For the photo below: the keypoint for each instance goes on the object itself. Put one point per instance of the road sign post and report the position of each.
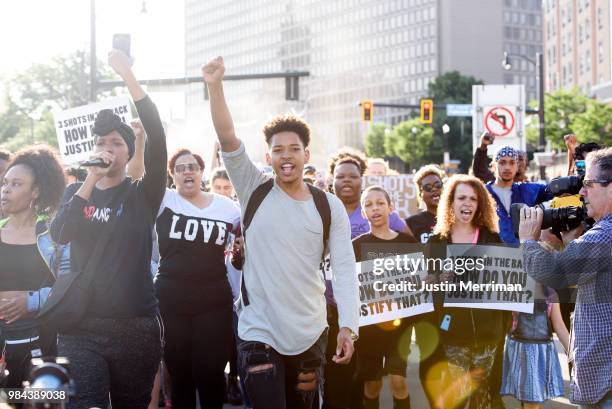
(499, 110)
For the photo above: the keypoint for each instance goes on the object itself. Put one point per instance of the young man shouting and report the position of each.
(282, 323)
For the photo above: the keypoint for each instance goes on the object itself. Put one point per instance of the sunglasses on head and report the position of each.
(187, 167)
(431, 186)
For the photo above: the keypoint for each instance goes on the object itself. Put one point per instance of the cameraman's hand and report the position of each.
(547, 236)
(530, 223)
(569, 236)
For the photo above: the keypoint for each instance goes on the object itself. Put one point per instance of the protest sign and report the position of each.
(74, 127)
(501, 283)
(391, 292)
(402, 190)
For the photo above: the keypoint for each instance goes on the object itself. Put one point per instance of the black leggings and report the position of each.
(196, 352)
(116, 356)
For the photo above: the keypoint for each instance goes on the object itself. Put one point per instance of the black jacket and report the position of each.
(470, 326)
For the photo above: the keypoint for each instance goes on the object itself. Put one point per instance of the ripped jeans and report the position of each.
(275, 381)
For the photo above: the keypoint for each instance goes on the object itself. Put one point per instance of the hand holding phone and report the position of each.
(122, 42)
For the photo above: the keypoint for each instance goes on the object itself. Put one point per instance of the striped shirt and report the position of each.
(587, 263)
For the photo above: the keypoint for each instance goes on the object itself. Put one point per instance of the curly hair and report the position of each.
(584, 149)
(287, 123)
(425, 171)
(5, 155)
(182, 152)
(486, 214)
(348, 155)
(48, 175)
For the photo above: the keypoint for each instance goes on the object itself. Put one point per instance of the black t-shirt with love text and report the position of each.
(192, 276)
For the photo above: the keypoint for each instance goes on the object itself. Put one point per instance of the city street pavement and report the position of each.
(418, 400)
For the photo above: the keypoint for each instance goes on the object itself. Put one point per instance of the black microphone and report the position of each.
(95, 162)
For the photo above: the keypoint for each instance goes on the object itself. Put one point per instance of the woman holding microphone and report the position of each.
(115, 349)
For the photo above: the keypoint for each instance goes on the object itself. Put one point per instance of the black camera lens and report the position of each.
(567, 185)
(560, 219)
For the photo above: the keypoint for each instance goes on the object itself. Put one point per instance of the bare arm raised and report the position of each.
(222, 119)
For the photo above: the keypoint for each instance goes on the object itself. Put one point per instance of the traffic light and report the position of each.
(367, 110)
(426, 111)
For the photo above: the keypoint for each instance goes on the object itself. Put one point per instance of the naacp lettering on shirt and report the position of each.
(100, 214)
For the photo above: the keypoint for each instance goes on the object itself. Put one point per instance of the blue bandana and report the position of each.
(507, 151)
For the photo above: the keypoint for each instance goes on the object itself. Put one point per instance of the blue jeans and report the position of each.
(605, 403)
(275, 381)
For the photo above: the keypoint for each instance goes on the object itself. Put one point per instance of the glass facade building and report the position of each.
(386, 51)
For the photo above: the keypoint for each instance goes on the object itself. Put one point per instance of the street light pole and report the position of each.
(92, 52)
(539, 64)
(542, 142)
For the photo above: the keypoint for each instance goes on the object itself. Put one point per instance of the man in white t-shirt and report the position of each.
(283, 326)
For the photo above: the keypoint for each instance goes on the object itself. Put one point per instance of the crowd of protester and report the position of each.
(162, 287)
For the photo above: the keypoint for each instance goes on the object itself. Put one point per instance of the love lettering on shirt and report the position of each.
(188, 229)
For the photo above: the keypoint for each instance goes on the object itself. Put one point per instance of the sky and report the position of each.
(36, 30)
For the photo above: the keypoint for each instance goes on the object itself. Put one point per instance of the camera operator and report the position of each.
(586, 262)
(576, 154)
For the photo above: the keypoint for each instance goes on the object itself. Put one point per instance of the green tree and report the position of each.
(561, 109)
(594, 124)
(453, 88)
(413, 142)
(32, 95)
(375, 141)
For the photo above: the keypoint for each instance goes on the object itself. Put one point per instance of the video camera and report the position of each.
(560, 219)
(565, 185)
(51, 375)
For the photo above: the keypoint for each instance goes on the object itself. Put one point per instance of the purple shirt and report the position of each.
(360, 225)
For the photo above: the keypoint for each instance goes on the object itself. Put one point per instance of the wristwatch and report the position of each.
(354, 336)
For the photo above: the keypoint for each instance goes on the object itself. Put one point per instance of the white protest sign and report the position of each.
(387, 292)
(401, 188)
(502, 284)
(73, 127)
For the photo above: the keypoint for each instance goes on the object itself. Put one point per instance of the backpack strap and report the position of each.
(258, 196)
(322, 204)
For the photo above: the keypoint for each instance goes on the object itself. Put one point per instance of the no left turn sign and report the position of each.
(500, 121)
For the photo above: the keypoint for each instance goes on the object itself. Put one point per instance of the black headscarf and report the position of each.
(107, 121)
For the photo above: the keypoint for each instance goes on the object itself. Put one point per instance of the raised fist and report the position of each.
(486, 139)
(570, 141)
(213, 71)
(139, 131)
